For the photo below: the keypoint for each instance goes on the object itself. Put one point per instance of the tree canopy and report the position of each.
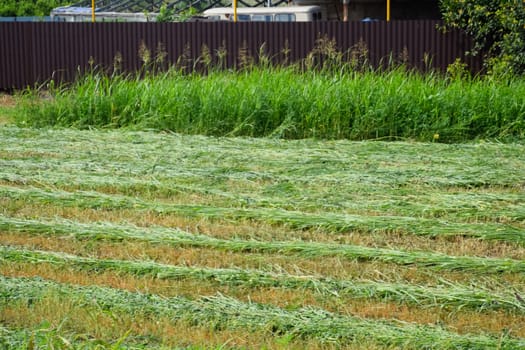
(13, 8)
(497, 28)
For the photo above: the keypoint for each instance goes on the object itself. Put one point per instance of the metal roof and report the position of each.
(134, 6)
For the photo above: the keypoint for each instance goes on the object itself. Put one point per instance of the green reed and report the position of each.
(290, 103)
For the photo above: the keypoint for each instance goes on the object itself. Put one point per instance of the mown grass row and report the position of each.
(251, 198)
(445, 295)
(151, 155)
(294, 219)
(459, 183)
(289, 103)
(470, 207)
(176, 237)
(220, 312)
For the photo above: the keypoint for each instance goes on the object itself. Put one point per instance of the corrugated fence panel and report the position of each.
(16, 69)
(36, 52)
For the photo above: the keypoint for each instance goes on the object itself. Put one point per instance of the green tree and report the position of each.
(8, 8)
(497, 28)
(29, 7)
(177, 14)
(165, 14)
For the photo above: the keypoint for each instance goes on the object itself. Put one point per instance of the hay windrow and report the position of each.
(256, 216)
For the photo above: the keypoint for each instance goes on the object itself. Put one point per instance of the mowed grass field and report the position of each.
(121, 239)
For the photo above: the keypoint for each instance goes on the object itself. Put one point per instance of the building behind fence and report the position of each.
(34, 53)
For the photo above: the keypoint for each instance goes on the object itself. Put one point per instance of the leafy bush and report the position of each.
(12, 8)
(497, 28)
(165, 14)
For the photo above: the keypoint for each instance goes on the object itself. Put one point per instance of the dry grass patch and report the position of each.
(7, 106)
(9, 155)
(7, 100)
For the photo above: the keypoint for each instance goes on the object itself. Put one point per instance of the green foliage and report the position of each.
(458, 70)
(498, 30)
(165, 14)
(180, 13)
(185, 14)
(8, 8)
(12, 8)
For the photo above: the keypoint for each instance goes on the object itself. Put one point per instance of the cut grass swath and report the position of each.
(445, 295)
(220, 312)
(300, 194)
(336, 163)
(176, 237)
(294, 219)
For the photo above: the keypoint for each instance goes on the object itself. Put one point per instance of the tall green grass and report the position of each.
(290, 103)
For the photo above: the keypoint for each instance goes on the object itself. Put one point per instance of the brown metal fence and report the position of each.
(32, 53)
